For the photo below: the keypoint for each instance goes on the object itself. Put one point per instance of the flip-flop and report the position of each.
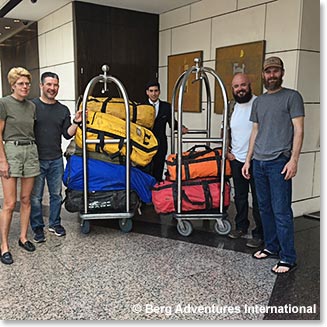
(268, 254)
(284, 264)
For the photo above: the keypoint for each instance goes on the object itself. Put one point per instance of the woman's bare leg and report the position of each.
(25, 206)
(9, 186)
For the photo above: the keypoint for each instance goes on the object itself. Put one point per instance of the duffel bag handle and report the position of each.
(193, 148)
(208, 200)
(193, 153)
(186, 198)
(104, 104)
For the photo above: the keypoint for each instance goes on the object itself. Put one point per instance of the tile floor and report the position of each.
(153, 273)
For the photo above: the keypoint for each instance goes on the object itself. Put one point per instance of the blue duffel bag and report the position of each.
(106, 176)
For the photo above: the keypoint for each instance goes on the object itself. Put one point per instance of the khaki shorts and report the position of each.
(23, 160)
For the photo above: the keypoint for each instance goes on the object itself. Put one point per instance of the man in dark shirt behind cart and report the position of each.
(163, 117)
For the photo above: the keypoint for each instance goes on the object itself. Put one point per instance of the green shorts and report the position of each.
(23, 160)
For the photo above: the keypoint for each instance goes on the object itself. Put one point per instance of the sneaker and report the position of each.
(254, 242)
(57, 230)
(236, 234)
(39, 235)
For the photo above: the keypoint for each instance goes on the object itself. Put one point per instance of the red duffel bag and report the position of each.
(197, 195)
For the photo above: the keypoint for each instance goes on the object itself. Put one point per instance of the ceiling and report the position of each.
(29, 11)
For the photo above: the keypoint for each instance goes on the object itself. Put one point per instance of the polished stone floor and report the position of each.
(153, 273)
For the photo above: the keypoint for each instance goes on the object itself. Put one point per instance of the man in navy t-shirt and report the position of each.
(52, 122)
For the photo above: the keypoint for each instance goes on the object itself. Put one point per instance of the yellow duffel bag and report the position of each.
(141, 114)
(102, 126)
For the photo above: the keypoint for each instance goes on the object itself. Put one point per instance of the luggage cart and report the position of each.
(125, 218)
(184, 226)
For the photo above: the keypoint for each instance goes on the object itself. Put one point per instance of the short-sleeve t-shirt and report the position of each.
(52, 122)
(274, 113)
(241, 128)
(19, 117)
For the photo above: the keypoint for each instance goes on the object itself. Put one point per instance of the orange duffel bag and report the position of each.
(198, 164)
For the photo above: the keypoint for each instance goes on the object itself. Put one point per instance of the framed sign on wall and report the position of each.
(241, 58)
(177, 64)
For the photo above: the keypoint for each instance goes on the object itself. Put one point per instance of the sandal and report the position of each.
(290, 267)
(266, 253)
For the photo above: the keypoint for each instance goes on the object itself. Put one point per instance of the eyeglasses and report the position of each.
(23, 84)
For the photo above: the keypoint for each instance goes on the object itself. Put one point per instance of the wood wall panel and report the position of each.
(126, 40)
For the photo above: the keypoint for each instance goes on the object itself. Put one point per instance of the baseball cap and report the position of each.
(273, 62)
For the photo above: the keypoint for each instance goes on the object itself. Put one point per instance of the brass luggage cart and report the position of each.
(184, 226)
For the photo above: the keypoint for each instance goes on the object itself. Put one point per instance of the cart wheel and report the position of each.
(223, 227)
(186, 230)
(85, 227)
(125, 225)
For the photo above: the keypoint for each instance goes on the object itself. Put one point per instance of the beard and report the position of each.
(273, 84)
(244, 98)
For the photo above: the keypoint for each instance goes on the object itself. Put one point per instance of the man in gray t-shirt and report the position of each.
(275, 146)
(275, 111)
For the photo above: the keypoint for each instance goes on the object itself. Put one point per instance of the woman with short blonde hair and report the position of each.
(17, 72)
(18, 158)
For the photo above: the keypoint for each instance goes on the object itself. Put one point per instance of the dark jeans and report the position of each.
(241, 187)
(275, 200)
(52, 171)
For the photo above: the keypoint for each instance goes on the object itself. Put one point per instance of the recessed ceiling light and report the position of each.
(16, 20)
(7, 27)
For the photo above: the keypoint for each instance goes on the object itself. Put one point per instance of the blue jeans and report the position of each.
(52, 171)
(274, 195)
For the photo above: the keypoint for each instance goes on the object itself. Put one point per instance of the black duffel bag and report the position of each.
(100, 202)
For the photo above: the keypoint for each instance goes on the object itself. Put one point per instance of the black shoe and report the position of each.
(28, 246)
(254, 242)
(6, 258)
(236, 234)
(39, 235)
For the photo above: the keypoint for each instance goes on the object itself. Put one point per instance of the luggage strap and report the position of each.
(131, 103)
(104, 104)
(206, 192)
(186, 162)
(121, 138)
(192, 153)
(99, 147)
